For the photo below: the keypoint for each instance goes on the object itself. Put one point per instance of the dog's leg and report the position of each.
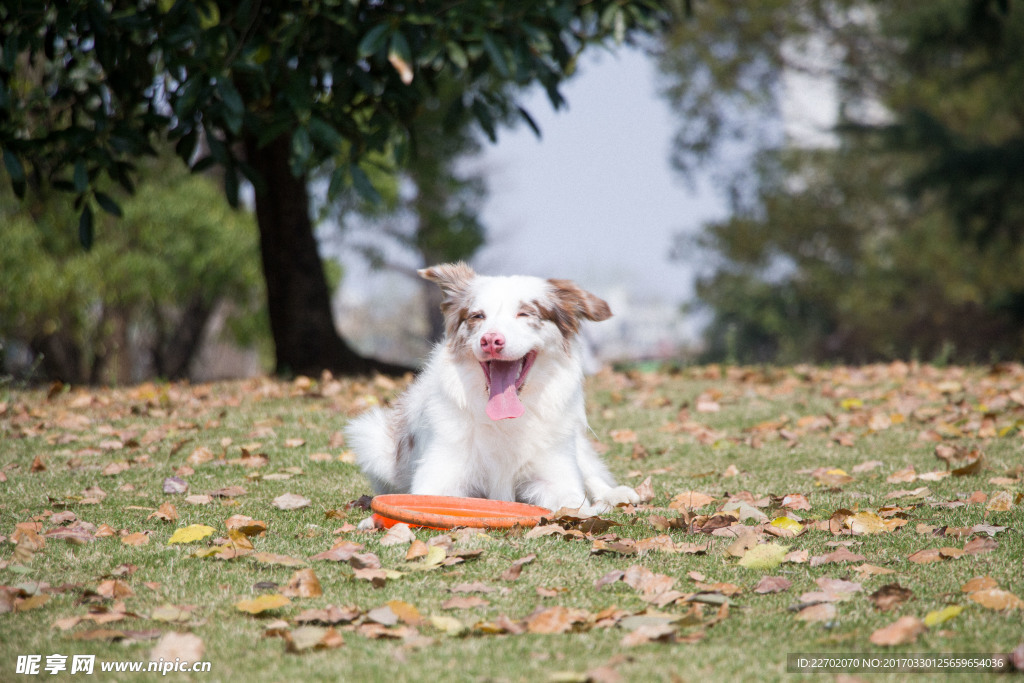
(599, 483)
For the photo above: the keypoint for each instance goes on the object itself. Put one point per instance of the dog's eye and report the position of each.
(476, 316)
(524, 314)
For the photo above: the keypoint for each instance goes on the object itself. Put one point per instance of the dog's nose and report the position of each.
(492, 343)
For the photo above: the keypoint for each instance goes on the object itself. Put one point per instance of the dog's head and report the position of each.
(506, 323)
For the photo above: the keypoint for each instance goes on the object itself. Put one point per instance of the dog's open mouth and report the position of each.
(505, 378)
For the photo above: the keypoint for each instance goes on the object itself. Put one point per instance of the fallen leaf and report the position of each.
(312, 638)
(796, 501)
(996, 599)
(979, 583)
(173, 646)
(823, 611)
(903, 630)
(274, 558)
(763, 557)
(555, 620)
(513, 572)
(1000, 502)
(398, 534)
(114, 589)
(175, 485)
(890, 596)
(191, 534)
(772, 584)
(943, 615)
(263, 603)
(649, 633)
(329, 615)
(166, 512)
(303, 584)
(136, 539)
(246, 525)
(450, 625)
(291, 501)
(464, 602)
(690, 500)
(839, 555)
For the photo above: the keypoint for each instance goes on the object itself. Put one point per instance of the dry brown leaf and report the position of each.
(890, 596)
(824, 611)
(246, 525)
(556, 620)
(837, 556)
(291, 501)
(772, 584)
(513, 572)
(996, 599)
(464, 602)
(979, 583)
(138, 538)
(397, 535)
(690, 500)
(903, 630)
(174, 646)
(312, 638)
(303, 584)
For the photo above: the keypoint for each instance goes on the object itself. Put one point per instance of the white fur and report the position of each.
(438, 439)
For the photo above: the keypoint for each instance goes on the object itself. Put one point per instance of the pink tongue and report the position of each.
(504, 402)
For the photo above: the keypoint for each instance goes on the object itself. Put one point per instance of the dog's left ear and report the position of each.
(452, 278)
(573, 304)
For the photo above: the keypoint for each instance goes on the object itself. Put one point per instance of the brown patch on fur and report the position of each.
(570, 305)
(454, 279)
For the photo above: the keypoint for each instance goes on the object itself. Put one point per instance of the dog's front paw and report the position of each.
(619, 495)
(368, 524)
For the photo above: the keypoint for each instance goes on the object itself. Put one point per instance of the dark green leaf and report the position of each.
(108, 204)
(363, 185)
(494, 51)
(81, 177)
(85, 231)
(374, 40)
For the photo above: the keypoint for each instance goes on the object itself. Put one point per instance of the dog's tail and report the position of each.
(371, 437)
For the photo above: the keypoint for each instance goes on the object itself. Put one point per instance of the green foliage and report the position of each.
(856, 252)
(84, 86)
(156, 275)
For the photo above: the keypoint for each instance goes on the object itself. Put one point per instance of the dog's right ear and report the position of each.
(452, 278)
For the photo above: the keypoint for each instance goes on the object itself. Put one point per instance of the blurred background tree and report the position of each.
(138, 304)
(901, 236)
(269, 93)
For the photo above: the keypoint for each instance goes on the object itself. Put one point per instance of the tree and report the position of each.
(138, 304)
(856, 251)
(272, 90)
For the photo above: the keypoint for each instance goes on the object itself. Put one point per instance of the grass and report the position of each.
(718, 432)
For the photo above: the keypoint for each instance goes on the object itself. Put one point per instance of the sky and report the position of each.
(594, 199)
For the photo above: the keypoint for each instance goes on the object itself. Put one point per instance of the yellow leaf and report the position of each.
(263, 603)
(767, 556)
(788, 523)
(435, 556)
(866, 523)
(942, 615)
(450, 625)
(191, 534)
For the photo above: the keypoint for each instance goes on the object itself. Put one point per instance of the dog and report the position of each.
(497, 411)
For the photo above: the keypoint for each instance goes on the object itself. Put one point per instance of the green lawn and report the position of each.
(608, 604)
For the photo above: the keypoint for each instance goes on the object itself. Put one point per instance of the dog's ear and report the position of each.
(452, 278)
(572, 304)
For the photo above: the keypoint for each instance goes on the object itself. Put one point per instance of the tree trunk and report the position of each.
(173, 351)
(298, 301)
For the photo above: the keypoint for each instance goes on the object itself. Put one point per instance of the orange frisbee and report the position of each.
(445, 512)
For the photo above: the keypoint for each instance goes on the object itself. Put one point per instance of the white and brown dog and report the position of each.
(497, 412)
